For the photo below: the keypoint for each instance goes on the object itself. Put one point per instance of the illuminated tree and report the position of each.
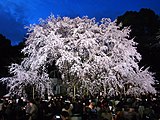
(90, 56)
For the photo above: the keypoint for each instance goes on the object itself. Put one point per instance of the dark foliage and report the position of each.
(8, 54)
(144, 25)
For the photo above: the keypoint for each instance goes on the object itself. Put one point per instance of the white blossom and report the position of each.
(89, 55)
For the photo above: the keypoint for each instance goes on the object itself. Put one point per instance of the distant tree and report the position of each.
(5, 49)
(144, 22)
(4, 41)
(91, 56)
(144, 25)
(8, 54)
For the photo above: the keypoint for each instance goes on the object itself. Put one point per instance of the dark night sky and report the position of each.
(16, 14)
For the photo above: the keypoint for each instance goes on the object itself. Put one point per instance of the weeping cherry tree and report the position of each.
(97, 57)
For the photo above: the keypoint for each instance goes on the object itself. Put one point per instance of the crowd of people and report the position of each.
(81, 108)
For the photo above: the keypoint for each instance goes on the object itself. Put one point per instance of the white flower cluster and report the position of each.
(91, 56)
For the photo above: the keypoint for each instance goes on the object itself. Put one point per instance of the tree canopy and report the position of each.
(89, 55)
